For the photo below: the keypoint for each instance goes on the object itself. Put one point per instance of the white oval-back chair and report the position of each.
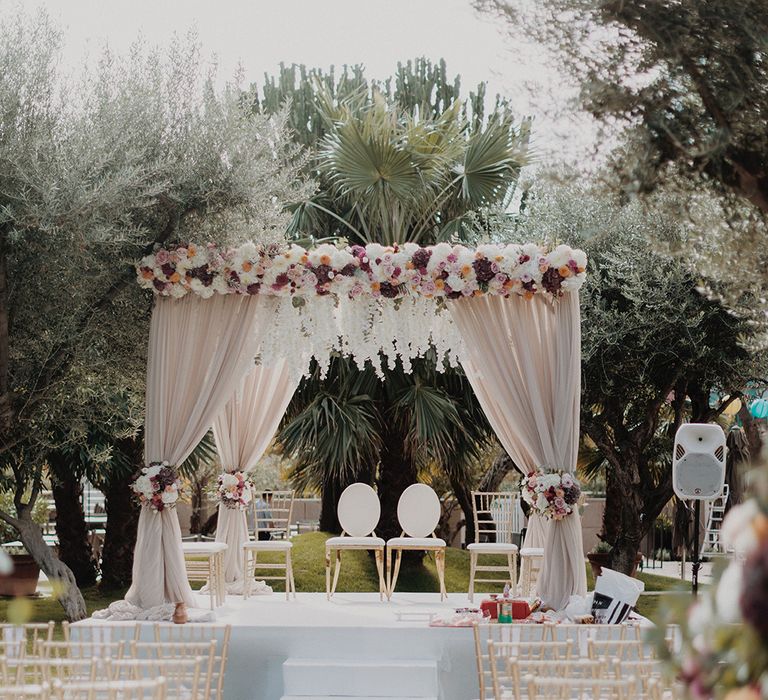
(418, 512)
(359, 511)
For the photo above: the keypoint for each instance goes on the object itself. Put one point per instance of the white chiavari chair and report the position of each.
(188, 633)
(173, 650)
(547, 688)
(531, 561)
(183, 676)
(493, 514)
(111, 690)
(278, 540)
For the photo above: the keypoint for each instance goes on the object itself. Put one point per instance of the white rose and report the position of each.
(142, 485)
(170, 497)
(541, 502)
(455, 282)
(228, 481)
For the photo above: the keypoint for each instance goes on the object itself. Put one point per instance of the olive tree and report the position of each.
(94, 172)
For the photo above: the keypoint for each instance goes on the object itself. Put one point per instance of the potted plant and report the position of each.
(600, 557)
(22, 579)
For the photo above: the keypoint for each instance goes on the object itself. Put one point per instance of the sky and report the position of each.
(257, 35)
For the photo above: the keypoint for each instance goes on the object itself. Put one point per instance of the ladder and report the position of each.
(716, 512)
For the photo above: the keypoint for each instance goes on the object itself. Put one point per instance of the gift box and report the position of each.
(520, 609)
(491, 605)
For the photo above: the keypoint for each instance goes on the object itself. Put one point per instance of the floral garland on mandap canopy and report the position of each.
(372, 303)
(443, 270)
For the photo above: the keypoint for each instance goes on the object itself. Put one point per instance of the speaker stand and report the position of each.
(695, 563)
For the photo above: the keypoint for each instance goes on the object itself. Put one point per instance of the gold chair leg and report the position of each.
(246, 577)
(213, 592)
(472, 565)
(440, 566)
(287, 575)
(379, 555)
(290, 569)
(396, 573)
(328, 573)
(512, 565)
(336, 571)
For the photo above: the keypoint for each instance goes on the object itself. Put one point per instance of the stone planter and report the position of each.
(598, 560)
(22, 581)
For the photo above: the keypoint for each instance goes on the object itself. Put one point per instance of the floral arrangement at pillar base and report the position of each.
(724, 633)
(234, 490)
(157, 486)
(553, 495)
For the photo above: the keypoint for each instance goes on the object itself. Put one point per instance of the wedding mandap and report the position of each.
(234, 329)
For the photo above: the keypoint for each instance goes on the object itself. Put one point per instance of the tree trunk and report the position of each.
(396, 473)
(120, 537)
(497, 472)
(58, 573)
(6, 410)
(463, 494)
(622, 520)
(74, 548)
(329, 498)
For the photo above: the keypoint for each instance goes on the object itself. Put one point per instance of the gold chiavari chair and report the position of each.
(81, 650)
(274, 523)
(111, 690)
(183, 676)
(65, 670)
(26, 635)
(484, 633)
(106, 632)
(624, 649)
(194, 633)
(493, 514)
(160, 652)
(519, 669)
(25, 692)
(580, 688)
(648, 673)
(499, 652)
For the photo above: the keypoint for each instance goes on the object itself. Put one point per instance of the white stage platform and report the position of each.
(351, 647)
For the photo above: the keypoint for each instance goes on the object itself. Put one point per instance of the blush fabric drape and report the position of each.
(523, 360)
(199, 352)
(243, 431)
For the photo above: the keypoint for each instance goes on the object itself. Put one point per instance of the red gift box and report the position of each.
(520, 609)
(492, 606)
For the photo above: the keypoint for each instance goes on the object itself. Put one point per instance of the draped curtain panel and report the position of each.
(243, 431)
(199, 352)
(523, 360)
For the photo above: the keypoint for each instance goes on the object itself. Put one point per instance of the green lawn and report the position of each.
(358, 573)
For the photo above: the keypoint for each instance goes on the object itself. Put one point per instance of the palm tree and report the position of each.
(404, 160)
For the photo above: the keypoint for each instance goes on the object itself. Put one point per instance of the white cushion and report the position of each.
(492, 547)
(341, 542)
(418, 510)
(203, 548)
(268, 544)
(359, 510)
(416, 542)
(532, 552)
